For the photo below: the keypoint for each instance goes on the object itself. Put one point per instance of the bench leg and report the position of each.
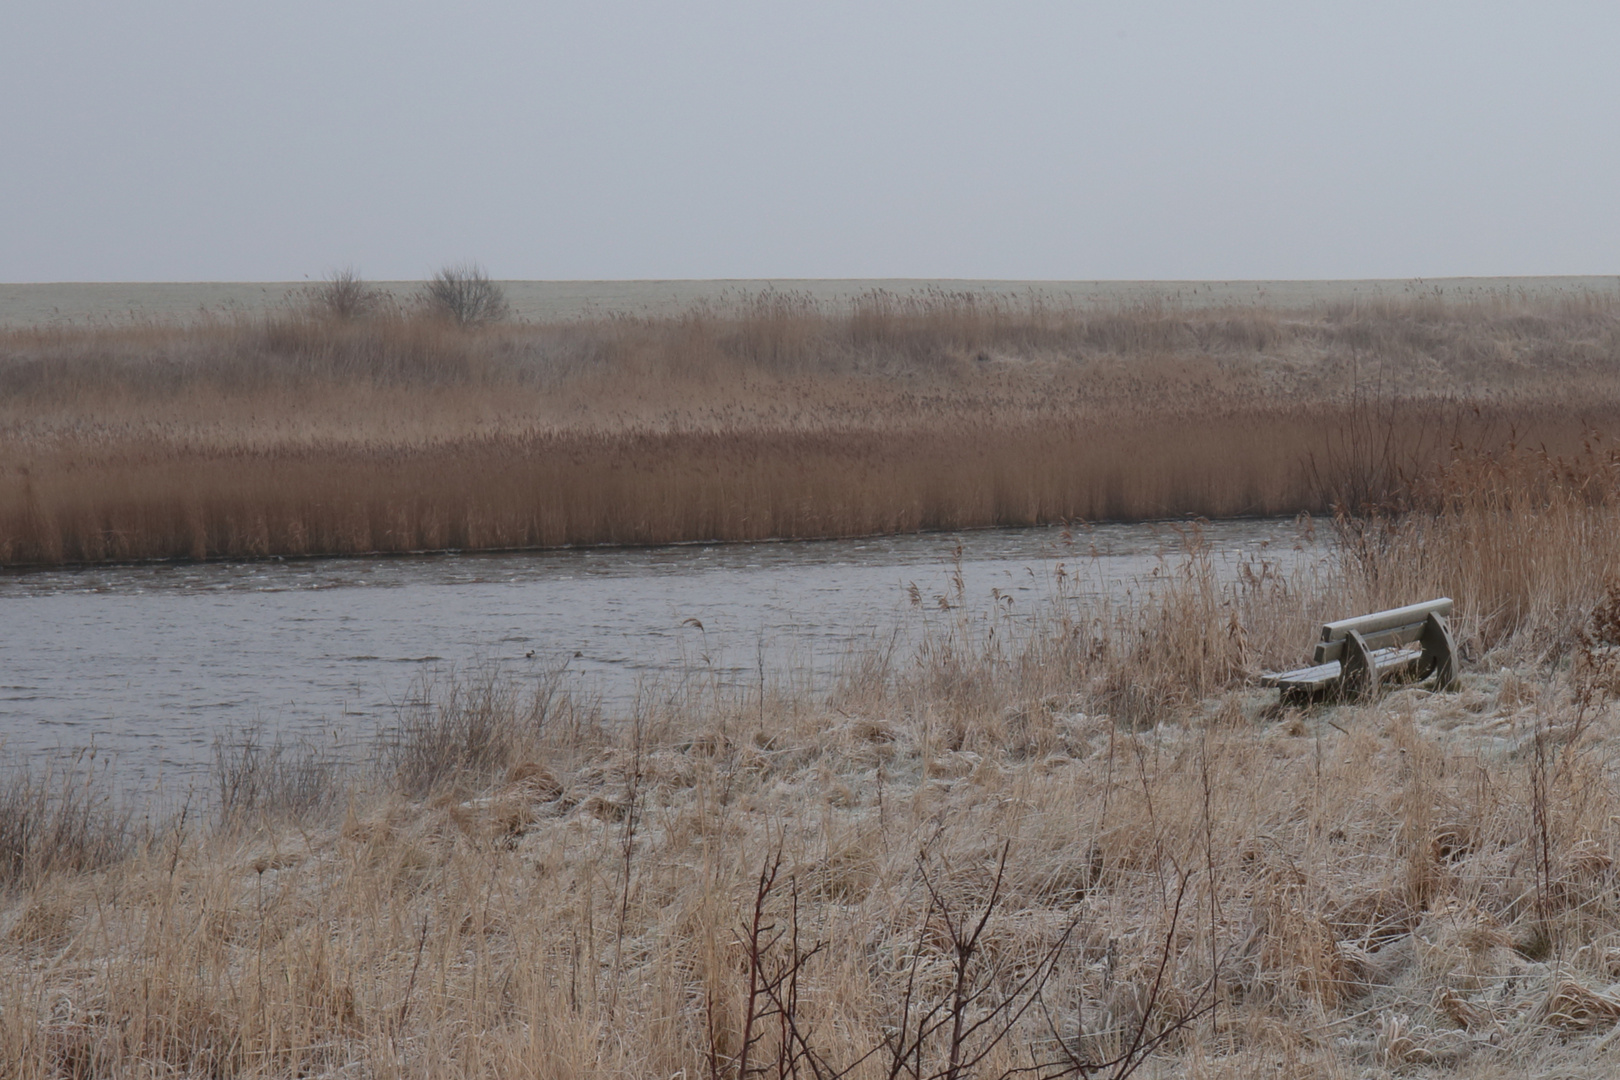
(1439, 652)
(1358, 677)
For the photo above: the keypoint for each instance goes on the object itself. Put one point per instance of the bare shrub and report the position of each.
(344, 295)
(465, 295)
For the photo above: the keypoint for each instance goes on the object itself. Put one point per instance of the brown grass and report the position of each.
(1086, 831)
(303, 433)
(61, 818)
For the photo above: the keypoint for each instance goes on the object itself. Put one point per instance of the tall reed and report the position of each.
(301, 433)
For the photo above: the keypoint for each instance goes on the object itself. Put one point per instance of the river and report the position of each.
(150, 664)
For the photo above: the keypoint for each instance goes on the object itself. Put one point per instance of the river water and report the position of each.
(149, 664)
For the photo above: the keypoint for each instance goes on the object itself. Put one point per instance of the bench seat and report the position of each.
(1321, 677)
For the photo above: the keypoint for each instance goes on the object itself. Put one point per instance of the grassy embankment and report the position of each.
(299, 433)
(1168, 869)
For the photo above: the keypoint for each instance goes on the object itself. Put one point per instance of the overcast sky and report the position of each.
(223, 141)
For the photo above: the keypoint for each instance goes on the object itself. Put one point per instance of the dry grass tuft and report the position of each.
(62, 820)
(461, 731)
(258, 783)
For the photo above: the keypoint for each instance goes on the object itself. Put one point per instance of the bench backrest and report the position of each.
(1384, 620)
(1382, 629)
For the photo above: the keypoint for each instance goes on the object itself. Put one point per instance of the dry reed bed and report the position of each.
(302, 434)
(1170, 871)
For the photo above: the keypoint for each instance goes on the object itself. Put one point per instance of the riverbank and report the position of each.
(297, 433)
(1165, 863)
(1235, 890)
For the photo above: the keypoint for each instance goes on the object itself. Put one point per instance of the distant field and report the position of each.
(769, 414)
(544, 301)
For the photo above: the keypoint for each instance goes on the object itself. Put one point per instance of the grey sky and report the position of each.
(196, 141)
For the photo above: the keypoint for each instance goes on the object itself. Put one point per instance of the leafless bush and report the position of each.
(465, 295)
(63, 820)
(950, 1029)
(344, 295)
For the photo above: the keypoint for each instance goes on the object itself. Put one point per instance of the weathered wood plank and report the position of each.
(1382, 639)
(1313, 678)
(1321, 676)
(1386, 620)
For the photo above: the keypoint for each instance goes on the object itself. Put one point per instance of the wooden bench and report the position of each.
(1356, 655)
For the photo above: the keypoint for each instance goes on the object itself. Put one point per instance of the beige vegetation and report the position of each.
(338, 429)
(1076, 845)
(1069, 842)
